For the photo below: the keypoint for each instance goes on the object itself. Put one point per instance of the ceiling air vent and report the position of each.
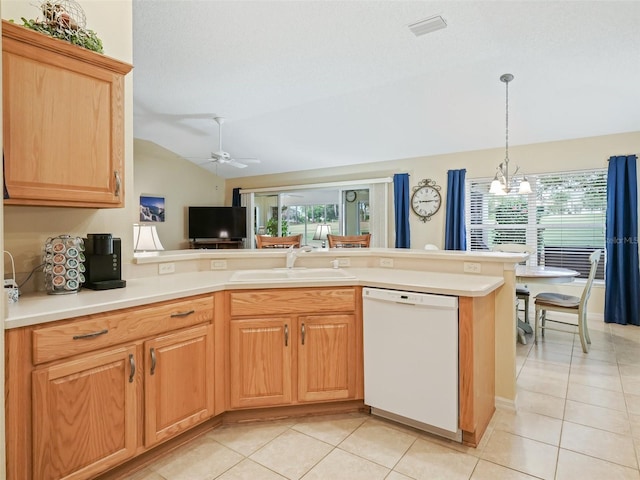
(428, 25)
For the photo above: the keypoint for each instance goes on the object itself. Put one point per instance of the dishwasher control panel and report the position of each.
(414, 298)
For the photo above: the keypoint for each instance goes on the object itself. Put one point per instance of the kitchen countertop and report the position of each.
(38, 308)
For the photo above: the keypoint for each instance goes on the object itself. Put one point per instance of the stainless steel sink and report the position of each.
(290, 274)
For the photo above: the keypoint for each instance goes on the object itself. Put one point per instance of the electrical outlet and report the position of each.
(472, 267)
(166, 268)
(386, 262)
(218, 264)
(344, 262)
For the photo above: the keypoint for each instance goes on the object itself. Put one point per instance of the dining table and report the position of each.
(526, 274)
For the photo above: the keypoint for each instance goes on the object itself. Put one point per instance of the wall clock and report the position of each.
(351, 196)
(426, 199)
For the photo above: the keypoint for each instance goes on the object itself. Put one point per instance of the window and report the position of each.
(346, 207)
(563, 218)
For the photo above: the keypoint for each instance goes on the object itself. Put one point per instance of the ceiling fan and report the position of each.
(224, 158)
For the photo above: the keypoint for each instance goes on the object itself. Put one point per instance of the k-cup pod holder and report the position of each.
(64, 267)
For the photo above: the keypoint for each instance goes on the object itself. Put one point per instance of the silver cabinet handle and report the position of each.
(286, 335)
(116, 174)
(303, 332)
(153, 361)
(132, 365)
(182, 314)
(90, 335)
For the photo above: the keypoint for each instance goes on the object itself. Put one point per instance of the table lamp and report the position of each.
(321, 233)
(145, 240)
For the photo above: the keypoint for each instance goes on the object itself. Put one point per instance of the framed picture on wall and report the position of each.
(151, 208)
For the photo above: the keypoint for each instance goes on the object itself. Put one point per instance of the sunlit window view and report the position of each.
(313, 214)
(563, 218)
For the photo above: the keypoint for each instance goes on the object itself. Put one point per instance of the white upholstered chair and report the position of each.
(559, 302)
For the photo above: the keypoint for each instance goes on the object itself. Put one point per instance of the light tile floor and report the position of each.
(578, 416)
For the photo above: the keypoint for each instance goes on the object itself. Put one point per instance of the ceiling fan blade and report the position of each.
(248, 160)
(236, 164)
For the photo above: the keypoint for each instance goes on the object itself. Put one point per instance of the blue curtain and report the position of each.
(235, 197)
(401, 209)
(455, 236)
(622, 277)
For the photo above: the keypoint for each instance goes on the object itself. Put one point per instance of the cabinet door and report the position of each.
(326, 357)
(63, 123)
(84, 415)
(260, 361)
(178, 382)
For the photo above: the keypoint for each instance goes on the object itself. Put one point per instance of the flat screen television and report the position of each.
(226, 223)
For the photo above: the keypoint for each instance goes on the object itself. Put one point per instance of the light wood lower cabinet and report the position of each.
(277, 359)
(260, 361)
(178, 381)
(74, 412)
(85, 395)
(84, 415)
(326, 357)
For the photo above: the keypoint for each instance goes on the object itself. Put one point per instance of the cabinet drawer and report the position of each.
(291, 301)
(102, 330)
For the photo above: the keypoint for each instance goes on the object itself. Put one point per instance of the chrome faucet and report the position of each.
(292, 254)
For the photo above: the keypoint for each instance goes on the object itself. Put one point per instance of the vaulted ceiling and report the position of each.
(307, 84)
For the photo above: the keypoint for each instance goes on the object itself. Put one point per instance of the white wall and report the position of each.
(158, 171)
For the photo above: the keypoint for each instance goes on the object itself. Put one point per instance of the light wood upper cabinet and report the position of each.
(84, 415)
(86, 394)
(63, 115)
(178, 382)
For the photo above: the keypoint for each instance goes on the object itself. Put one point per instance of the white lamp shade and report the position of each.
(145, 238)
(525, 187)
(496, 187)
(321, 232)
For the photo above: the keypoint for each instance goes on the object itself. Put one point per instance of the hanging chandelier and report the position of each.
(502, 184)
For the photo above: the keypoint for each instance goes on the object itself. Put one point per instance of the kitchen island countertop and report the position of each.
(37, 308)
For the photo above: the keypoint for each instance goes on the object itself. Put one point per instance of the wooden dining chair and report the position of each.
(266, 241)
(349, 241)
(522, 291)
(559, 302)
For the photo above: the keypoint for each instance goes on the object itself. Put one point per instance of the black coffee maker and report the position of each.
(103, 262)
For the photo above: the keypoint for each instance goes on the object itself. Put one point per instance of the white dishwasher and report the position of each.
(411, 359)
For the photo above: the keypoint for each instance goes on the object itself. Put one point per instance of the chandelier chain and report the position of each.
(506, 153)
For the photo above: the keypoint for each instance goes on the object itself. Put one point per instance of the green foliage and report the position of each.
(77, 36)
(272, 227)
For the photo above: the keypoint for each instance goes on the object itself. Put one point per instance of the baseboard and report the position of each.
(505, 403)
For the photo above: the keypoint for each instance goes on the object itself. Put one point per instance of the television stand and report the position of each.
(216, 244)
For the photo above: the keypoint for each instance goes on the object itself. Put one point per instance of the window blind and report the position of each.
(563, 218)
